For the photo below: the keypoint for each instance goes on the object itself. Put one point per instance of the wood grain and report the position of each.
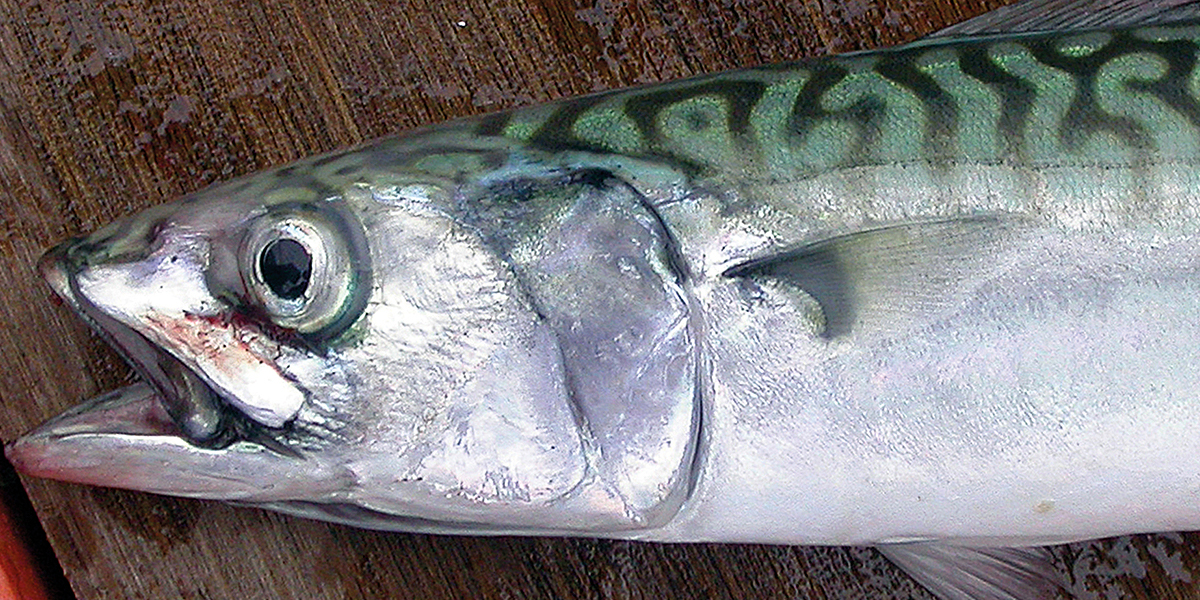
(110, 106)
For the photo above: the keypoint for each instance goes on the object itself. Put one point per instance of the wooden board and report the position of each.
(110, 106)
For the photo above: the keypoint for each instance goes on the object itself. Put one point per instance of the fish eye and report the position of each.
(304, 266)
(286, 266)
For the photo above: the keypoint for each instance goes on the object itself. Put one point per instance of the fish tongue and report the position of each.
(70, 446)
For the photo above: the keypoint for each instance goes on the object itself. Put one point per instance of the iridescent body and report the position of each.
(947, 292)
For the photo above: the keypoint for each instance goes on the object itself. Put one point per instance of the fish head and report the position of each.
(444, 359)
(227, 303)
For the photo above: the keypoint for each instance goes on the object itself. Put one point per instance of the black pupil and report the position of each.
(286, 267)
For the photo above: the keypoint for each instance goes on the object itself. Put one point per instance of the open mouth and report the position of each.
(190, 402)
(166, 433)
(171, 400)
(192, 405)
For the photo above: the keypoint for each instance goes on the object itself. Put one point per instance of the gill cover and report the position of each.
(604, 274)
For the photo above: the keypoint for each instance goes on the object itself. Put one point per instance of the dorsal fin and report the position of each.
(888, 279)
(969, 573)
(1066, 15)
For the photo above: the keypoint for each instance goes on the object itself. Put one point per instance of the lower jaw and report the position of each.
(48, 450)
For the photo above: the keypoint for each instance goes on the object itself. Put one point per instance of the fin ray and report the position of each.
(1064, 15)
(970, 573)
(888, 280)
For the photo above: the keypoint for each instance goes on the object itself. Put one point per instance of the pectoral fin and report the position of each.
(1059, 15)
(887, 280)
(968, 573)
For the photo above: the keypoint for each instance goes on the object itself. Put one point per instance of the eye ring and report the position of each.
(304, 267)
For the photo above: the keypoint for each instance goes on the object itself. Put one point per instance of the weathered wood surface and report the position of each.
(107, 107)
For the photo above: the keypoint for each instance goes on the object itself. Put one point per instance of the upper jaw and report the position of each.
(164, 299)
(184, 397)
(170, 433)
(150, 298)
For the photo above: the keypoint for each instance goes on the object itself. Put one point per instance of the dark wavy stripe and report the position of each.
(941, 110)
(1016, 95)
(558, 132)
(740, 97)
(493, 124)
(941, 106)
(1172, 89)
(807, 111)
(862, 115)
(1085, 117)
